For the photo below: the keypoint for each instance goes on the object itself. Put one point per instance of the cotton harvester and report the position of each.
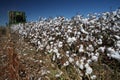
(16, 17)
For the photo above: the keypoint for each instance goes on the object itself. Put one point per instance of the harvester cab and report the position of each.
(16, 17)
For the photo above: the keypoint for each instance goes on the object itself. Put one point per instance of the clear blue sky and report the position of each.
(45, 8)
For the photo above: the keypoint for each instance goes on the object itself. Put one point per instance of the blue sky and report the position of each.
(51, 8)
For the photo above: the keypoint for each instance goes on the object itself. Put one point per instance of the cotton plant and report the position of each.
(75, 37)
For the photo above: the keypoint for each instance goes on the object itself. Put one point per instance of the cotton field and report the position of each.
(78, 41)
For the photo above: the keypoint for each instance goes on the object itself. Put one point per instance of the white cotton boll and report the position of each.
(75, 32)
(51, 50)
(25, 33)
(31, 49)
(53, 29)
(69, 31)
(90, 48)
(88, 69)
(118, 44)
(91, 26)
(97, 54)
(39, 43)
(40, 61)
(44, 33)
(92, 38)
(67, 55)
(67, 52)
(117, 37)
(101, 36)
(73, 55)
(92, 54)
(66, 63)
(41, 48)
(81, 64)
(59, 33)
(48, 47)
(86, 38)
(78, 33)
(89, 61)
(56, 28)
(94, 58)
(81, 48)
(60, 44)
(44, 40)
(57, 53)
(39, 78)
(51, 43)
(114, 12)
(51, 46)
(71, 40)
(103, 28)
(88, 53)
(44, 72)
(42, 45)
(50, 38)
(77, 63)
(93, 77)
(53, 38)
(85, 20)
(81, 38)
(118, 15)
(110, 50)
(69, 27)
(83, 31)
(58, 75)
(99, 41)
(114, 54)
(92, 21)
(83, 58)
(78, 36)
(101, 49)
(53, 58)
(55, 44)
(71, 59)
